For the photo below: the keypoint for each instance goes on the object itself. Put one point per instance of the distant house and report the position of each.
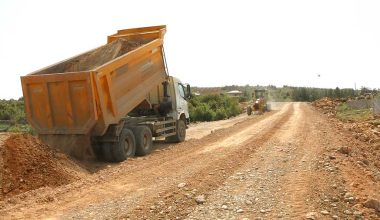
(235, 93)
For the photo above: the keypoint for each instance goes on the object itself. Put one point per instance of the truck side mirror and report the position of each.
(188, 91)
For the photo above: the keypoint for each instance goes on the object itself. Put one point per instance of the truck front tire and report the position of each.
(144, 141)
(180, 133)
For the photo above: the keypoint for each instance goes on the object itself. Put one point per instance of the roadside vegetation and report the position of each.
(12, 116)
(288, 93)
(212, 104)
(346, 113)
(213, 107)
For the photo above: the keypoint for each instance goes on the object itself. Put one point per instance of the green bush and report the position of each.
(213, 107)
(220, 114)
(12, 112)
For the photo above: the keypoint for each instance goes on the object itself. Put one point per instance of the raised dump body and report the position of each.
(87, 93)
(83, 95)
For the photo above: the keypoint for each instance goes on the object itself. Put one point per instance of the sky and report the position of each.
(208, 43)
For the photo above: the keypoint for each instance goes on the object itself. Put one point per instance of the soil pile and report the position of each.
(367, 131)
(27, 164)
(95, 58)
(328, 105)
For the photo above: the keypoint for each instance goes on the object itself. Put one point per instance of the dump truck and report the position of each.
(109, 102)
(259, 105)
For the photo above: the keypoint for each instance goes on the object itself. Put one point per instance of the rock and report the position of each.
(324, 212)
(312, 215)
(335, 217)
(347, 212)
(332, 157)
(200, 199)
(357, 213)
(188, 195)
(348, 195)
(224, 207)
(350, 199)
(153, 207)
(344, 150)
(354, 184)
(248, 202)
(331, 169)
(181, 185)
(239, 210)
(262, 211)
(372, 204)
(365, 161)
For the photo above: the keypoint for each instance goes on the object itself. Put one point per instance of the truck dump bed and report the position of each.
(86, 93)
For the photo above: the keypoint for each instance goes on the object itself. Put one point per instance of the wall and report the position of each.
(360, 104)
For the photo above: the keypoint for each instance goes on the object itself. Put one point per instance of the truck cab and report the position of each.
(182, 93)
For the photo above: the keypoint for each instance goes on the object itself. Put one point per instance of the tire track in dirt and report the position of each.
(277, 180)
(298, 184)
(175, 203)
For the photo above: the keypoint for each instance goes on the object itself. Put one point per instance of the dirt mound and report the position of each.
(95, 58)
(28, 164)
(328, 105)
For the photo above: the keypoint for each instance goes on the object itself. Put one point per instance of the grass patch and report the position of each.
(21, 128)
(346, 113)
(4, 127)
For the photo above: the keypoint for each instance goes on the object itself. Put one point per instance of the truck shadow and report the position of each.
(94, 165)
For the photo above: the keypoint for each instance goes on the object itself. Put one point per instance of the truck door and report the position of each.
(182, 107)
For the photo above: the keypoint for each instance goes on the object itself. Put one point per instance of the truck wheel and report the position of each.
(144, 141)
(181, 133)
(106, 151)
(126, 147)
(249, 110)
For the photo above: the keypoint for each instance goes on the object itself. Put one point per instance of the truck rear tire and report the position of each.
(144, 143)
(126, 147)
(180, 134)
(106, 150)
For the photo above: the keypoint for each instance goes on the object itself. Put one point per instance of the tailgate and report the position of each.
(60, 103)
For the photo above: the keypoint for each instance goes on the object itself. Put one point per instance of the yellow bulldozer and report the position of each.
(259, 105)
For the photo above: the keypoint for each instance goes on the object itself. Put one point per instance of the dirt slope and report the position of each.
(284, 164)
(28, 164)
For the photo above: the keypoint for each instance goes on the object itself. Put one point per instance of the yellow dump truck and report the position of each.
(110, 101)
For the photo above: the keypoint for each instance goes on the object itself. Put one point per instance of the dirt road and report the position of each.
(280, 165)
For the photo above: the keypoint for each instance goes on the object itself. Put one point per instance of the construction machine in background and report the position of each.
(110, 101)
(259, 105)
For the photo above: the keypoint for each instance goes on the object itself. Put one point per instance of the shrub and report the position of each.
(213, 107)
(220, 114)
(12, 112)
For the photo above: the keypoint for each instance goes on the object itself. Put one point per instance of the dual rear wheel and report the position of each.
(132, 141)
